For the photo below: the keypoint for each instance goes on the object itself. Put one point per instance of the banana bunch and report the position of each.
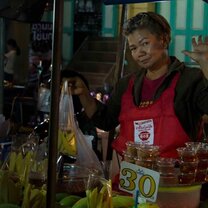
(10, 188)
(118, 201)
(67, 143)
(73, 201)
(100, 199)
(15, 186)
(20, 164)
(34, 197)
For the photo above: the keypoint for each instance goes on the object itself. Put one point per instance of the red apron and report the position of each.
(168, 132)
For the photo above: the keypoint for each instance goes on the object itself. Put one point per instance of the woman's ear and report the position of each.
(165, 45)
(163, 41)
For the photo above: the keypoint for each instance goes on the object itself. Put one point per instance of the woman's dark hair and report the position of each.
(67, 73)
(154, 22)
(11, 42)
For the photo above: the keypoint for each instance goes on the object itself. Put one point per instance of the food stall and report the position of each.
(140, 161)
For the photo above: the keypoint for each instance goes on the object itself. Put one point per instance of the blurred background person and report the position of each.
(10, 56)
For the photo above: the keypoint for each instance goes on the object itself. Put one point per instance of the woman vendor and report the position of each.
(164, 98)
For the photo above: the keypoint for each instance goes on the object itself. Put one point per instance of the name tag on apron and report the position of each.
(144, 131)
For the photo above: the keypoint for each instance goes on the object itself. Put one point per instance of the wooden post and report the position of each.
(121, 47)
(54, 106)
(2, 44)
(119, 70)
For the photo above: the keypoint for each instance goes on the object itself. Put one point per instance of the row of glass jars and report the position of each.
(190, 167)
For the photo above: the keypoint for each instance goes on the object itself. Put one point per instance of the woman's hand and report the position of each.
(78, 87)
(200, 53)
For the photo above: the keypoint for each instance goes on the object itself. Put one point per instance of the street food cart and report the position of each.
(149, 183)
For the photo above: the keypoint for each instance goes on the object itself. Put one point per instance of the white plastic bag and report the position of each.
(66, 109)
(85, 155)
(66, 140)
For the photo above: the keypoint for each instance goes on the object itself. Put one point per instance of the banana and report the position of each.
(92, 197)
(122, 201)
(14, 192)
(67, 144)
(35, 197)
(105, 204)
(12, 161)
(38, 202)
(100, 196)
(28, 163)
(20, 165)
(26, 196)
(69, 200)
(4, 187)
(9, 206)
(100, 200)
(10, 191)
(1, 187)
(82, 203)
(43, 192)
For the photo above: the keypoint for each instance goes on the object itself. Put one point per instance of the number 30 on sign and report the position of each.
(134, 177)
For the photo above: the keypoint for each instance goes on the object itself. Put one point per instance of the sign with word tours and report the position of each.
(40, 51)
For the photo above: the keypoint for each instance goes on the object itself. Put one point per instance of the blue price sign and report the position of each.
(134, 177)
(130, 1)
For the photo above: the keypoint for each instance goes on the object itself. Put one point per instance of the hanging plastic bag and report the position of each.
(86, 156)
(77, 144)
(66, 140)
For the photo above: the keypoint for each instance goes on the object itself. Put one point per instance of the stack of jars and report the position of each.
(167, 170)
(142, 154)
(190, 167)
(193, 163)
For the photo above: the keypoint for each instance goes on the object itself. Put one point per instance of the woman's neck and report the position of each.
(158, 71)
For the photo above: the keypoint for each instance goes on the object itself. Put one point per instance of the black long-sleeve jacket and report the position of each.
(190, 102)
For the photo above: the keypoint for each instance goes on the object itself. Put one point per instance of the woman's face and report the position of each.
(147, 49)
